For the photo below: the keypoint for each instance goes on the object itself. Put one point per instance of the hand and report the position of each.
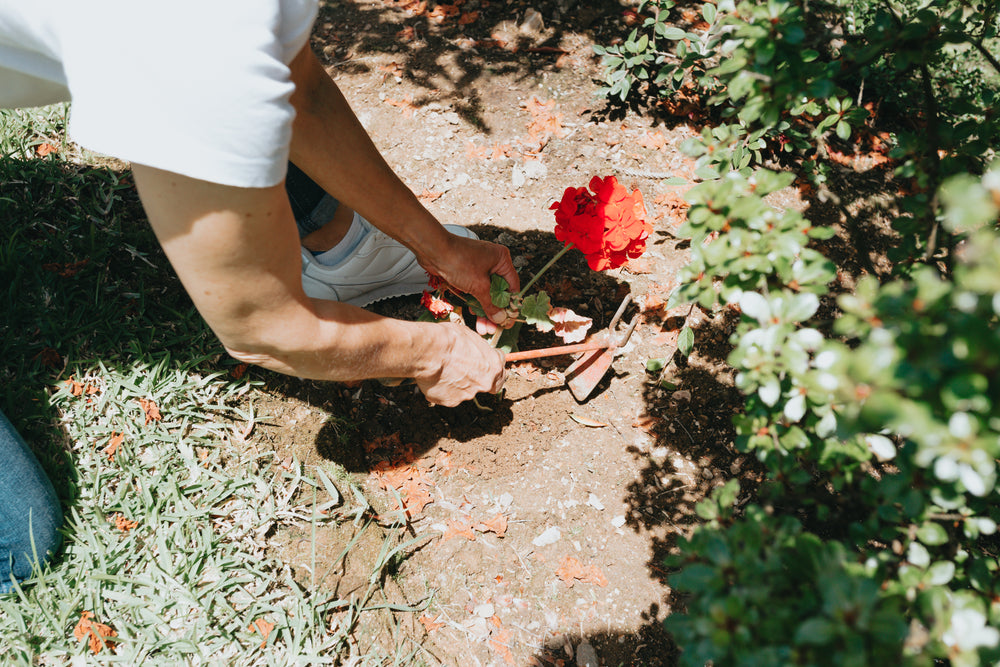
(467, 267)
(465, 366)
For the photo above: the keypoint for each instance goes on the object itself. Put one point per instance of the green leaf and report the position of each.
(535, 310)
(508, 339)
(843, 130)
(941, 572)
(932, 534)
(707, 510)
(656, 364)
(685, 341)
(967, 203)
(728, 493)
(474, 306)
(499, 291)
(817, 631)
(918, 555)
(695, 578)
(708, 12)
(674, 33)
(706, 172)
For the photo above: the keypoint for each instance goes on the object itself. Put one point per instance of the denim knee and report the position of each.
(311, 205)
(30, 514)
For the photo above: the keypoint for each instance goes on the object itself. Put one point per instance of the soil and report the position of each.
(488, 115)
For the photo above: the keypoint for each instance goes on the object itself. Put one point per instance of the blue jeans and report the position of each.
(30, 515)
(311, 205)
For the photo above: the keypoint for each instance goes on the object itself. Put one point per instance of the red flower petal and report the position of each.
(608, 224)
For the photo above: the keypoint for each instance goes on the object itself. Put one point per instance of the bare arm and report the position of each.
(236, 252)
(330, 144)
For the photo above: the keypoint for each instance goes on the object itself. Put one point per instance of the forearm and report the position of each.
(327, 340)
(330, 144)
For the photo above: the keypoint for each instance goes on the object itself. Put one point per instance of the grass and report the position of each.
(21, 130)
(166, 537)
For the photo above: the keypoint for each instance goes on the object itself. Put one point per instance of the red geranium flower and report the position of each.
(607, 223)
(435, 282)
(439, 307)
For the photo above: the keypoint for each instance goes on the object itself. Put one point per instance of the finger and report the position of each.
(508, 273)
(495, 314)
(505, 269)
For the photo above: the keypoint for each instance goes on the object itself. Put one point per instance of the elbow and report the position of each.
(265, 346)
(284, 343)
(249, 355)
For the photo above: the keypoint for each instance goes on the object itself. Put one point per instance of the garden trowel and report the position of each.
(598, 353)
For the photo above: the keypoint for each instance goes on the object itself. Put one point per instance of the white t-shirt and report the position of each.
(196, 87)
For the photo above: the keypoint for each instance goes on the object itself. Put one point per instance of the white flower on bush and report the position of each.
(968, 631)
(769, 392)
(977, 476)
(961, 425)
(795, 407)
(961, 461)
(808, 339)
(777, 308)
(827, 426)
(881, 446)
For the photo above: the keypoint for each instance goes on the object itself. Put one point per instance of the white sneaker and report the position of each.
(379, 268)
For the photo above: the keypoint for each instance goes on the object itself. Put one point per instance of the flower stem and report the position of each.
(545, 268)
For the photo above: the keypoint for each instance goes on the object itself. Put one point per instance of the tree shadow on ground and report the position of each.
(854, 203)
(434, 49)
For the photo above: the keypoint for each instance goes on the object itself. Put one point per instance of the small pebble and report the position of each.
(595, 502)
(586, 655)
(551, 536)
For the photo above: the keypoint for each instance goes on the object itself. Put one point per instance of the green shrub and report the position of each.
(872, 538)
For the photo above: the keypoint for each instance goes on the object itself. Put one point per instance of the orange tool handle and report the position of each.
(561, 349)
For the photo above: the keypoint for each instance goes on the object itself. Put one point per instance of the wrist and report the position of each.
(423, 234)
(432, 345)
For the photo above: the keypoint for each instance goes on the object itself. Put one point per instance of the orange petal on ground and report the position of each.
(123, 524)
(571, 570)
(431, 624)
(263, 628)
(457, 528)
(113, 445)
(151, 410)
(97, 634)
(476, 153)
(497, 524)
(653, 140)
